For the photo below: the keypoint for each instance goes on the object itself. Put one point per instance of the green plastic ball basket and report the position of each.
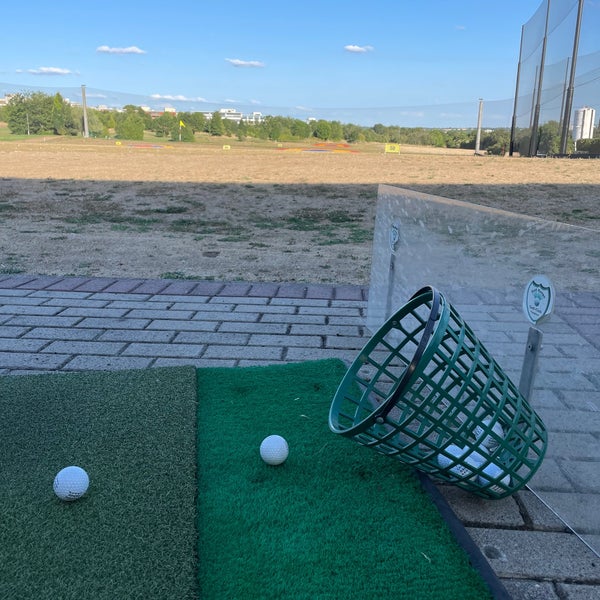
(426, 391)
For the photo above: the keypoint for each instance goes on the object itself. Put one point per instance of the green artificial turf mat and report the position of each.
(336, 520)
(133, 535)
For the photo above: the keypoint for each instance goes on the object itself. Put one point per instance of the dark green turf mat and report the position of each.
(335, 521)
(133, 535)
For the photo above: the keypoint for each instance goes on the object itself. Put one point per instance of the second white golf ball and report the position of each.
(274, 450)
(71, 483)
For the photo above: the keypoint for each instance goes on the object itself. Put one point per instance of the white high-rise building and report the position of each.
(584, 123)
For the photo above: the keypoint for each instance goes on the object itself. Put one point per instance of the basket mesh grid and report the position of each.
(426, 391)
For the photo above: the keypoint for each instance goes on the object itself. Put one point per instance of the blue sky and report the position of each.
(304, 58)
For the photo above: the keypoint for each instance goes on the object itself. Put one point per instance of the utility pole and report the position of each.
(479, 117)
(86, 131)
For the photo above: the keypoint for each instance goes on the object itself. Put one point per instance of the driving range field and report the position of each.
(227, 210)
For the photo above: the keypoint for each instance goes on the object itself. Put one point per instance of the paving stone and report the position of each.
(196, 362)
(352, 331)
(113, 323)
(62, 333)
(38, 321)
(530, 590)
(243, 353)
(583, 509)
(84, 311)
(475, 511)
(171, 325)
(7, 331)
(136, 335)
(211, 337)
(78, 347)
(151, 313)
(70, 299)
(538, 514)
(571, 591)
(27, 360)
(536, 555)
(106, 363)
(27, 309)
(306, 341)
(173, 350)
(258, 327)
(21, 345)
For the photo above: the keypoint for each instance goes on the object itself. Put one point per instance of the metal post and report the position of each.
(86, 131)
(513, 127)
(479, 118)
(570, 89)
(533, 142)
(530, 362)
(564, 94)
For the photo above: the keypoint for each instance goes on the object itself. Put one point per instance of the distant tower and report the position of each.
(584, 123)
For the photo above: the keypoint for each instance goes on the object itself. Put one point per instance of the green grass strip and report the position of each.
(133, 535)
(335, 521)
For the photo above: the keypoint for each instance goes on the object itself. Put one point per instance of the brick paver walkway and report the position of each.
(74, 324)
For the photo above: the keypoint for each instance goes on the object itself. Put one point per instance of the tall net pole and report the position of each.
(533, 142)
(513, 127)
(569, 98)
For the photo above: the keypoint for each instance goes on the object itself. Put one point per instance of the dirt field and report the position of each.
(83, 207)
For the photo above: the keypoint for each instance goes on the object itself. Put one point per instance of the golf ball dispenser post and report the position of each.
(425, 390)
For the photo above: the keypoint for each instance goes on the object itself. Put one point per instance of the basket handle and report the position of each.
(427, 332)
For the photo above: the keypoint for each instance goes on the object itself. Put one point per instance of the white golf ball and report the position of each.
(494, 473)
(455, 452)
(489, 442)
(71, 483)
(274, 450)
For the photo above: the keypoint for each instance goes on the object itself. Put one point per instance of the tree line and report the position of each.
(37, 113)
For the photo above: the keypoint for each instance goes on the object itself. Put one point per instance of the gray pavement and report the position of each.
(52, 324)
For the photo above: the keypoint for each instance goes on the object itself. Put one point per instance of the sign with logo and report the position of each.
(392, 148)
(538, 299)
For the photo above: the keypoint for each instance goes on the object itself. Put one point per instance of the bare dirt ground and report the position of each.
(99, 208)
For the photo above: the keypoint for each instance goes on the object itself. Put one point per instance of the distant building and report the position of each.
(584, 123)
(231, 114)
(4, 101)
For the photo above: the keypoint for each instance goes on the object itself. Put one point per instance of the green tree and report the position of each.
(496, 141)
(182, 132)
(242, 131)
(322, 130)
(215, 125)
(195, 121)
(129, 125)
(164, 124)
(300, 129)
(30, 114)
(549, 138)
(63, 122)
(336, 131)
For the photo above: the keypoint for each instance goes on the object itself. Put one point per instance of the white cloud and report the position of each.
(178, 97)
(128, 50)
(47, 71)
(236, 62)
(460, 27)
(358, 49)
